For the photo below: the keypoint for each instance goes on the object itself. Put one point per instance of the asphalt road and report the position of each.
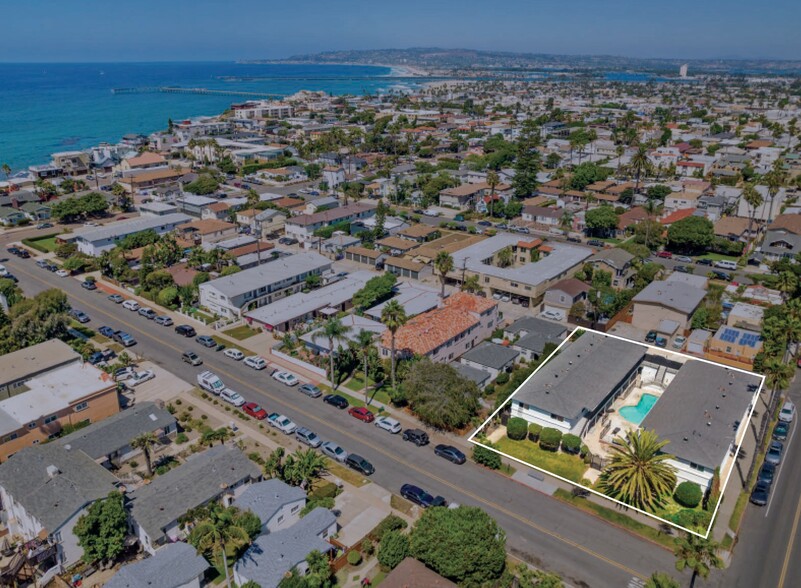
(584, 550)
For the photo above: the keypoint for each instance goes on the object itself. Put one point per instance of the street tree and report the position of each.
(443, 263)
(394, 317)
(102, 530)
(440, 396)
(697, 555)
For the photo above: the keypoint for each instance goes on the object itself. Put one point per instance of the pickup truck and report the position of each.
(282, 423)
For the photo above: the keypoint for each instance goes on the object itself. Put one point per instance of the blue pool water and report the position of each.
(635, 414)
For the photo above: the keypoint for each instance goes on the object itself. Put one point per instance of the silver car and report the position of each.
(334, 451)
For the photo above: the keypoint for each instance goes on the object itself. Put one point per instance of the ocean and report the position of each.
(45, 108)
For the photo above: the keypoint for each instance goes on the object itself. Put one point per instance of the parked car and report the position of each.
(450, 453)
(282, 423)
(255, 362)
(210, 382)
(596, 243)
(664, 254)
(361, 413)
(191, 358)
(124, 339)
(484, 223)
(287, 378)
(766, 473)
(774, 455)
(206, 341)
(703, 261)
(760, 494)
(163, 320)
(11, 277)
(787, 413)
(780, 431)
(99, 357)
(44, 226)
(682, 259)
(388, 424)
(232, 397)
(310, 390)
(661, 341)
(185, 330)
(148, 313)
(24, 254)
(678, 342)
(308, 437)
(79, 316)
(650, 337)
(358, 463)
(718, 275)
(131, 305)
(254, 410)
(552, 315)
(62, 273)
(420, 496)
(681, 269)
(416, 436)
(116, 298)
(234, 354)
(123, 374)
(334, 451)
(140, 378)
(336, 400)
(106, 331)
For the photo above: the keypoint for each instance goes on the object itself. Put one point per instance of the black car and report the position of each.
(206, 341)
(574, 239)
(718, 275)
(484, 223)
(450, 453)
(650, 337)
(416, 436)
(11, 277)
(767, 473)
(421, 497)
(596, 243)
(51, 267)
(24, 254)
(336, 400)
(780, 431)
(760, 494)
(703, 262)
(358, 463)
(681, 269)
(13, 250)
(185, 330)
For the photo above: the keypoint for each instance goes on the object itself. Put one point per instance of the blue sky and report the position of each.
(164, 30)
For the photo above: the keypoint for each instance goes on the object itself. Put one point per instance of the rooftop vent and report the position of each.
(53, 471)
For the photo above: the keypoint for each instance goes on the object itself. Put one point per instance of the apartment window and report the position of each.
(486, 280)
(50, 419)
(556, 417)
(32, 425)
(695, 466)
(10, 437)
(295, 509)
(81, 406)
(279, 519)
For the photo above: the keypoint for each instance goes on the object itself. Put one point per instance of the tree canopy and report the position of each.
(72, 209)
(205, 184)
(585, 174)
(601, 220)
(691, 234)
(376, 290)
(101, 531)
(439, 395)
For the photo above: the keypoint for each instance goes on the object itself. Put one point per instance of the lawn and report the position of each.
(719, 257)
(356, 384)
(617, 518)
(45, 243)
(350, 476)
(567, 466)
(241, 332)
(739, 510)
(401, 504)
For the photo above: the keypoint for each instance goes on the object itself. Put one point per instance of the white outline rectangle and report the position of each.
(471, 439)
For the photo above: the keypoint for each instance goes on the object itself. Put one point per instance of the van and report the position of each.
(726, 264)
(210, 382)
(130, 305)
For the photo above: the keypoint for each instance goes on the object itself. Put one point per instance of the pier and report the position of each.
(207, 91)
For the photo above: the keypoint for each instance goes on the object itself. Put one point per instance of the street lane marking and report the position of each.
(790, 544)
(781, 468)
(387, 454)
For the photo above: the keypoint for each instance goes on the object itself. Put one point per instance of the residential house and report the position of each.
(414, 298)
(617, 262)
(420, 233)
(782, 238)
(317, 342)
(207, 230)
(147, 179)
(541, 215)
(408, 268)
(36, 211)
(666, 306)
(176, 565)
(94, 241)
(530, 335)
(746, 316)
(194, 205)
(410, 573)
(303, 226)
(735, 228)
(11, 217)
(396, 245)
(371, 257)
(491, 358)
(276, 503)
(462, 197)
(145, 160)
(21, 366)
(333, 176)
(734, 346)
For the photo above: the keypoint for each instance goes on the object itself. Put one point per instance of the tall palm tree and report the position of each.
(786, 283)
(639, 164)
(302, 468)
(443, 263)
(638, 473)
(471, 284)
(394, 317)
(332, 329)
(145, 442)
(492, 181)
(365, 342)
(652, 207)
(754, 200)
(696, 554)
(566, 221)
(777, 373)
(220, 534)
(774, 180)
(619, 151)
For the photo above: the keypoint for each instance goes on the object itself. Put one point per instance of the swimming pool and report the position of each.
(636, 413)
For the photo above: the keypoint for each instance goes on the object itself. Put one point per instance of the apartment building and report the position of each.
(94, 241)
(303, 226)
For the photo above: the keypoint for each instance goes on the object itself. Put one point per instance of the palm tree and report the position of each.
(638, 473)
(786, 283)
(365, 342)
(661, 580)
(696, 554)
(220, 534)
(394, 317)
(505, 257)
(303, 468)
(774, 180)
(619, 151)
(566, 221)
(443, 263)
(471, 284)
(754, 200)
(145, 442)
(332, 329)
(777, 373)
(652, 207)
(492, 181)
(639, 164)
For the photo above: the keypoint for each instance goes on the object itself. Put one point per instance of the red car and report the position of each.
(254, 410)
(361, 413)
(665, 254)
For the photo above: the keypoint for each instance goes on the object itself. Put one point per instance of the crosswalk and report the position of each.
(636, 582)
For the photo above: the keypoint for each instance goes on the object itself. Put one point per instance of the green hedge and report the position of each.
(534, 432)
(550, 439)
(390, 523)
(516, 428)
(571, 444)
(688, 494)
(486, 457)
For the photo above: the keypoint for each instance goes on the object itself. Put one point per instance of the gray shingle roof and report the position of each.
(491, 355)
(273, 555)
(698, 410)
(174, 565)
(116, 432)
(536, 333)
(584, 373)
(202, 478)
(266, 498)
(617, 258)
(54, 499)
(672, 294)
(473, 374)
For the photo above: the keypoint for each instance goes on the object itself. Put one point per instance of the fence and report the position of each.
(299, 362)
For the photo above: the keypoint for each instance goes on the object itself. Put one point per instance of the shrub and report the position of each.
(178, 401)
(390, 523)
(688, 494)
(534, 432)
(571, 444)
(502, 378)
(181, 438)
(516, 428)
(354, 557)
(325, 490)
(133, 463)
(698, 519)
(486, 457)
(393, 549)
(584, 452)
(550, 438)
(367, 547)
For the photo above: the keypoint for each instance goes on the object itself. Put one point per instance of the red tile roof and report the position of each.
(677, 216)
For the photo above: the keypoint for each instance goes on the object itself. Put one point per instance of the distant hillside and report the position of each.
(460, 59)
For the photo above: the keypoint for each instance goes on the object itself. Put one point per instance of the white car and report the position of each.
(234, 353)
(286, 378)
(334, 451)
(282, 423)
(256, 362)
(140, 377)
(131, 305)
(3, 270)
(388, 424)
(62, 273)
(787, 413)
(552, 315)
(679, 342)
(233, 397)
